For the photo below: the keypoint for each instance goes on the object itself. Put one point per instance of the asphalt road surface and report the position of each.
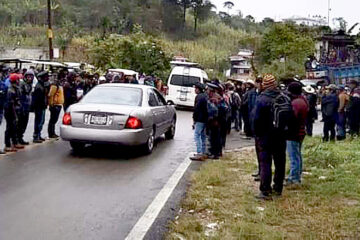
(47, 192)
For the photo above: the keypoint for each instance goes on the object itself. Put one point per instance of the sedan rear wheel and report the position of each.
(149, 145)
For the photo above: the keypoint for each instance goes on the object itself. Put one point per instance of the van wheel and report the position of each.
(148, 147)
(77, 146)
(170, 134)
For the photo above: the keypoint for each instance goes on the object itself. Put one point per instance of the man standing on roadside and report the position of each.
(12, 106)
(354, 108)
(200, 118)
(271, 142)
(341, 117)
(311, 97)
(56, 102)
(329, 108)
(25, 99)
(295, 139)
(39, 103)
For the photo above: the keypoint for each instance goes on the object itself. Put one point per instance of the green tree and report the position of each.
(284, 49)
(201, 11)
(137, 51)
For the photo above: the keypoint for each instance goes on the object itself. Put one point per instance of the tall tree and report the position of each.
(201, 10)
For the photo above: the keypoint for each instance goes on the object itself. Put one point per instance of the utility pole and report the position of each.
(49, 31)
(329, 9)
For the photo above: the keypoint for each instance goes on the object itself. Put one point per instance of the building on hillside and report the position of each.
(241, 69)
(337, 59)
(308, 21)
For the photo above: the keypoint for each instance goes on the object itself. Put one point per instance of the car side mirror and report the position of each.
(170, 103)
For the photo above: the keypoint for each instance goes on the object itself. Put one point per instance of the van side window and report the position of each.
(184, 81)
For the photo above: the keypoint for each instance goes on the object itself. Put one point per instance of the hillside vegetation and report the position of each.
(200, 34)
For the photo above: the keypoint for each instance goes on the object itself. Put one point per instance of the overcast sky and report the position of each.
(278, 9)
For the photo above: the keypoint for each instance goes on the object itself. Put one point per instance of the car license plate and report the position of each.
(183, 97)
(98, 120)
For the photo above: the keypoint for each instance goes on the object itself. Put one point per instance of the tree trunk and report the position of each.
(195, 22)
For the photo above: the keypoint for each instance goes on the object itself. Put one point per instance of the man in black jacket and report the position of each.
(39, 103)
(12, 106)
(270, 143)
(200, 118)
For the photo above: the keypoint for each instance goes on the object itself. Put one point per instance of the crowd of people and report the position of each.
(277, 117)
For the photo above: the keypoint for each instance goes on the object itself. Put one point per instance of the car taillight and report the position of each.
(67, 119)
(133, 123)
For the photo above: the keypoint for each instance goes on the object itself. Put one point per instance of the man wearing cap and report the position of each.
(213, 121)
(25, 99)
(312, 115)
(341, 117)
(39, 104)
(295, 139)
(270, 144)
(12, 107)
(200, 117)
(329, 108)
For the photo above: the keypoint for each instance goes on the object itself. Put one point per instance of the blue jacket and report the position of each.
(3, 93)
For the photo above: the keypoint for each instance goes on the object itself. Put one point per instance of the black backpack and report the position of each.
(284, 116)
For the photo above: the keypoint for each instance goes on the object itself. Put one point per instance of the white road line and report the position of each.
(143, 225)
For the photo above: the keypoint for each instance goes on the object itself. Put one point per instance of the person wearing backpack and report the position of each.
(329, 108)
(248, 106)
(270, 141)
(294, 142)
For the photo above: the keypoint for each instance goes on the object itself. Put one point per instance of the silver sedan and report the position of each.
(126, 114)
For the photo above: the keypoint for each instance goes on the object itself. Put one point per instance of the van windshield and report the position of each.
(184, 81)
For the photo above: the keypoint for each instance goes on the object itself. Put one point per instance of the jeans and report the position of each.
(341, 126)
(39, 122)
(329, 126)
(200, 137)
(23, 120)
(271, 148)
(54, 117)
(294, 151)
(10, 132)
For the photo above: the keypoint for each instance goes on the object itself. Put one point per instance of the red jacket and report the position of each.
(301, 110)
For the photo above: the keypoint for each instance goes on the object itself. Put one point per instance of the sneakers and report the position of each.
(199, 157)
(54, 136)
(214, 157)
(22, 142)
(10, 149)
(292, 185)
(37, 140)
(263, 196)
(18, 146)
(42, 139)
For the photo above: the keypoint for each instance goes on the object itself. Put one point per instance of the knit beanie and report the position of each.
(269, 81)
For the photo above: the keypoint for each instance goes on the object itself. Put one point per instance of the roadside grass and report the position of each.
(220, 204)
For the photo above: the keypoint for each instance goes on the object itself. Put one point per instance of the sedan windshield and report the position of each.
(114, 95)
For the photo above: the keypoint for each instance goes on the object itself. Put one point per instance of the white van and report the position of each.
(181, 90)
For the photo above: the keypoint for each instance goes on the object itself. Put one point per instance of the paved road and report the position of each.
(46, 192)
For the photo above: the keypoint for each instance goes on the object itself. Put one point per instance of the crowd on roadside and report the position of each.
(30, 90)
(278, 117)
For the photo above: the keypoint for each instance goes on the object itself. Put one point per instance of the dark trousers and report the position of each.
(39, 122)
(329, 127)
(309, 127)
(354, 121)
(215, 140)
(10, 133)
(257, 149)
(271, 148)
(223, 132)
(247, 124)
(23, 120)
(240, 120)
(54, 117)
